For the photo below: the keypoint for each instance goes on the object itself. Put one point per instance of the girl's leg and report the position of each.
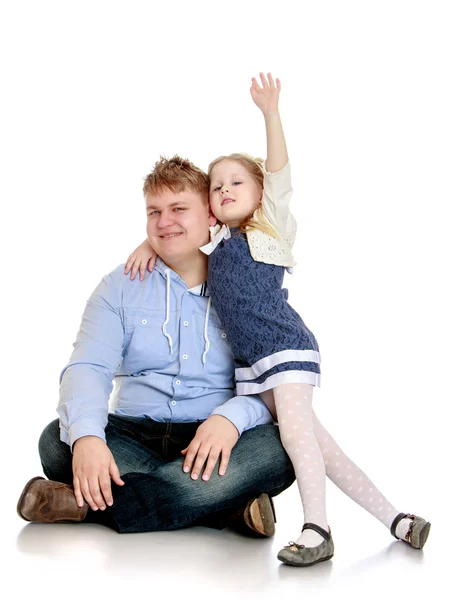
(339, 467)
(354, 483)
(293, 404)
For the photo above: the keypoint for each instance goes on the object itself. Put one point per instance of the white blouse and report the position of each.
(277, 193)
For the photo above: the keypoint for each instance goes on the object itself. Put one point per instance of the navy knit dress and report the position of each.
(270, 342)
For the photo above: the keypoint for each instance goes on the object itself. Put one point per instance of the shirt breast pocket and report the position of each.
(219, 357)
(146, 346)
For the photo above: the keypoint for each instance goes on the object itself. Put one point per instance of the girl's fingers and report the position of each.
(142, 271)
(152, 262)
(134, 270)
(128, 264)
(266, 83)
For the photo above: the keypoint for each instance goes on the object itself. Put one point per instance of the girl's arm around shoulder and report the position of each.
(142, 258)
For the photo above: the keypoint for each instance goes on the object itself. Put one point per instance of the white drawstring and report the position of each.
(207, 341)
(207, 314)
(168, 291)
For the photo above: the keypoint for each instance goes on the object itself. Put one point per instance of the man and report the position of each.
(152, 464)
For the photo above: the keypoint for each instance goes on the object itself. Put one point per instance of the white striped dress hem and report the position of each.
(245, 388)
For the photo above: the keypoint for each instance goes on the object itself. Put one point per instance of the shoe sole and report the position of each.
(263, 516)
(295, 564)
(22, 496)
(424, 533)
(273, 509)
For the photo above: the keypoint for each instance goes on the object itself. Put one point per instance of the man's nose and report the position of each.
(166, 218)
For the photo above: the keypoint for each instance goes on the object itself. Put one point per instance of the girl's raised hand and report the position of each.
(140, 259)
(266, 96)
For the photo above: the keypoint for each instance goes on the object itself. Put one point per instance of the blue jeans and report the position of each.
(157, 494)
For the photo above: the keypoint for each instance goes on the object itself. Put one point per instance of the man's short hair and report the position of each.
(176, 174)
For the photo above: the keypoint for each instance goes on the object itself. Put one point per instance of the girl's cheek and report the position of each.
(213, 208)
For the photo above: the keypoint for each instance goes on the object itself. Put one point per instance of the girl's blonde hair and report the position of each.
(254, 166)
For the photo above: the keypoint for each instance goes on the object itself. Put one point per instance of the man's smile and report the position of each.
(167, 236)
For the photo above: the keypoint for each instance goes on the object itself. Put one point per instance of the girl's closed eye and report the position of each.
(219, 187)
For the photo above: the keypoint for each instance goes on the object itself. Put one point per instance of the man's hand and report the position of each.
(217, 435)
(93, 465)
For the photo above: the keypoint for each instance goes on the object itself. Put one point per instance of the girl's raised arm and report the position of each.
(266, 97)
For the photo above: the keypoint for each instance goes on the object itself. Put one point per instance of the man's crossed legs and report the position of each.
(157, 494)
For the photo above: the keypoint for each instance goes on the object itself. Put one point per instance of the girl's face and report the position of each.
(234, 194)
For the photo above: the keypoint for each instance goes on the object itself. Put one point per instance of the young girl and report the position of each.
(276, 355)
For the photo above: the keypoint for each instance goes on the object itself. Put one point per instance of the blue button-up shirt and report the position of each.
(163, 346)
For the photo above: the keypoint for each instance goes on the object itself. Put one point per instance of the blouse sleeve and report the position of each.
(277, 192)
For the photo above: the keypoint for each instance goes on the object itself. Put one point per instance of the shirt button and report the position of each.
(185, 356)
(178, 382)
(223, 334)
(185, 323)
(144, 321)
(173, 403)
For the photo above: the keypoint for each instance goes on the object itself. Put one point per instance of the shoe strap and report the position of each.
(318, 529)
(396, 520)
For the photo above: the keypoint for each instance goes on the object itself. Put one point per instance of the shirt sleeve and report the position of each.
(86, 382)
(277, 192)
(245, 412)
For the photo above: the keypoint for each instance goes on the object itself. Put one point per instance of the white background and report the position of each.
(92, 94)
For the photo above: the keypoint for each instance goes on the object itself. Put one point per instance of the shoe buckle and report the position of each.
(409, 532)
(294, 545)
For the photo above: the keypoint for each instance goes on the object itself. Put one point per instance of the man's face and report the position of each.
(177, 224)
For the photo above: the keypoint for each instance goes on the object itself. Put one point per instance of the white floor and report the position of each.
(92, 561)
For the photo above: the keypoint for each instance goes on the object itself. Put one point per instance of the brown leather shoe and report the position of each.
(256, 519)
(44, 501)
